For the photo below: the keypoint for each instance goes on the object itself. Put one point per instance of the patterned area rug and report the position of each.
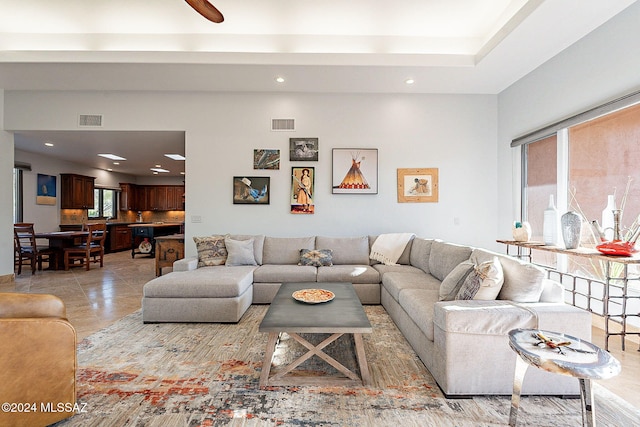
(132, 374)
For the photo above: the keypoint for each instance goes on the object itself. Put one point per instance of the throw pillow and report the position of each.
(453, 281)
(316, 257)
(483, 283)
(240, 252)
(211, 250)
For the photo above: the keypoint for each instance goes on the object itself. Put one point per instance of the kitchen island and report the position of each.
(144, 234)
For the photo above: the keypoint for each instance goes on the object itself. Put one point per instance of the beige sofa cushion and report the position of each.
(346, 250)
(482, 317)
(419, 303)
(420, 251)
(444, 257)
(396, 282)
(286, 250)
(274, 273)
(206, 282)
(348, 273)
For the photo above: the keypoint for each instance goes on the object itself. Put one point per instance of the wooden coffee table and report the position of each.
(343, 315)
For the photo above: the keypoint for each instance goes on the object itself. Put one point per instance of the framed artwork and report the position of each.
(417, 185)
(302, 190)
(355, 171)
(46, 192)
(303, 149)
(251, 190)
(266, 159)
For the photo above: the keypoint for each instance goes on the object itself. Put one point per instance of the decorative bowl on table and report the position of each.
(313, 296)
(617, 248)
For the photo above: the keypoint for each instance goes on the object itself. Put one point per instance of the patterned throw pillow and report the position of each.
(483, 283)
(316, 257)
(211, 250)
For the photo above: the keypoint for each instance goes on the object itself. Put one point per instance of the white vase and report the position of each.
(607, 217)
(550, 224)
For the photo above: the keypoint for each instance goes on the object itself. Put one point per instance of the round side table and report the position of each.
(561, 354)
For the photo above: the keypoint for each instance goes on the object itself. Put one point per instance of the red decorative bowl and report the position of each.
(617, 248)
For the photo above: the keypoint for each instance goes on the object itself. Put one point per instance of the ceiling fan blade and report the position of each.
(206, 9)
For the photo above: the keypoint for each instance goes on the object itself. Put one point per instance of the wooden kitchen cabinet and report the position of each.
(76, 191)
(151, 197)
(128, 197)
(120, 237)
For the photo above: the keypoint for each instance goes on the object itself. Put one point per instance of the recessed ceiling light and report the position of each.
(48, 144)
(155, 173)
(116, 163)
(110, 170)
(156, 170)
(410, 81)
(280, 79)
(181, 173)
(112, 156)
(175, 156)
(158, 166)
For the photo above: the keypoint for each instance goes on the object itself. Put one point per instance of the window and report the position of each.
(17, 195)
(104, 202)
(602, 157)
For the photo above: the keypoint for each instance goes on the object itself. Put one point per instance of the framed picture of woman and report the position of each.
(302, 190)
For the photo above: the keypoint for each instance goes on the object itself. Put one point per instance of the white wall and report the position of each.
(6, 195)
(455, 133)
(602, 66)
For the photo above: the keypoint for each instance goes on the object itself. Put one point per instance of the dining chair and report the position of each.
(27, 252)
(91, 250)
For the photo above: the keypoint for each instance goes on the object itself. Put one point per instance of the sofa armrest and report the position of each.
(186, 264)
(18, 305)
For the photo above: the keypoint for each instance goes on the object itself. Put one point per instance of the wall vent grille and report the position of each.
(90, 120)
(283, 124)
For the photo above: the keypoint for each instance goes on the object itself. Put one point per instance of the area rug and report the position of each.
(132, 374)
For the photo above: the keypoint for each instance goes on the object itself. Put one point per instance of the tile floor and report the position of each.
(100, 296)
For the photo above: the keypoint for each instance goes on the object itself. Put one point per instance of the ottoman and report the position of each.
(218, 294)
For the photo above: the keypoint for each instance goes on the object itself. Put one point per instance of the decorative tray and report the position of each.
(313, 296)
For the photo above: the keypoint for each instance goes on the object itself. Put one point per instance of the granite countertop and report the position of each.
(155, 224)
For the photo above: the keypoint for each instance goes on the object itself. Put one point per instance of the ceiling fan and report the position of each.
(206, 9)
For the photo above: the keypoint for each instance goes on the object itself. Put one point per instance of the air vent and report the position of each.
(283, 124)
(90, 120)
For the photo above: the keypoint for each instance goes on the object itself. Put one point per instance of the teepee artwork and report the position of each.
(361, 171)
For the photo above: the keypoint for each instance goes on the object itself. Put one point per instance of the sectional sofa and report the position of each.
(462, 342)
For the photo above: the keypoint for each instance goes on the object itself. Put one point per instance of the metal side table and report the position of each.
(561, 354)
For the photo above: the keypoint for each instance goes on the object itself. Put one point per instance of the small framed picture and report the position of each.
(355, 171)
(417, 185)
(251, 190)
(303, 149)
(302, 190)
(46, 191)
(266, 159)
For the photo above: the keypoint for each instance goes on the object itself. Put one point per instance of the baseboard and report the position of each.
(7, 278)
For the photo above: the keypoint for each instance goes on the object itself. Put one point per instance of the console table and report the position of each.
(619, 283)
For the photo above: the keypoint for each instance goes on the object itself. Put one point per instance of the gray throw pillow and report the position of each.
(240, 252)
(453, 282)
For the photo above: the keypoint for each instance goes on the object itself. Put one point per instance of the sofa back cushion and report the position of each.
(346, 250)
(420, 251)
(444, 257)
(286, 250)
(523, 281)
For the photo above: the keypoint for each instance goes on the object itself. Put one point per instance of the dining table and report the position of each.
(58, 240)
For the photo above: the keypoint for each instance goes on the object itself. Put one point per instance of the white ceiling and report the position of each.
(328, 46)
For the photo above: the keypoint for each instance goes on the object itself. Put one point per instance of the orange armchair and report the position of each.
(37, 360)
